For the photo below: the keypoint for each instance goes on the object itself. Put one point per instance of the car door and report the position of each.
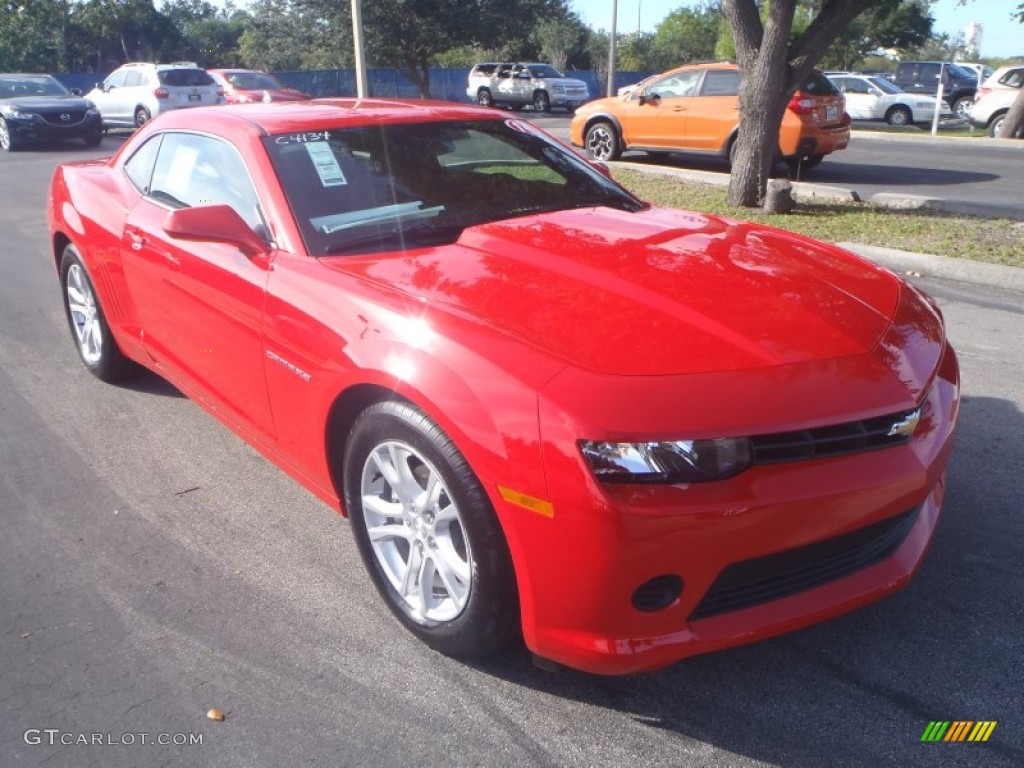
(658, 119)
(109, 95)
(200, 304)
(860, 103)
(715, 112)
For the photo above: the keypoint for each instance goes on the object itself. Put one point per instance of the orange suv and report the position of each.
(695, 108)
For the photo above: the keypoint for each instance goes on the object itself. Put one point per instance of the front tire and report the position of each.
(8, 142)
(541, 101)
(602, 141)
(93, 140)
(899, 116)
(89, 329)
(427, 532)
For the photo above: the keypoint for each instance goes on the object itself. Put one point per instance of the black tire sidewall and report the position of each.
(491, 612)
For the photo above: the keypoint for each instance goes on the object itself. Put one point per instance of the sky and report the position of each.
(1001, 36)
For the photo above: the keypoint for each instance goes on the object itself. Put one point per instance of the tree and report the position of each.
(31, 38)
(773, 64)
(1013, 123)
(686, 35)
(559, 39)
(899, 24)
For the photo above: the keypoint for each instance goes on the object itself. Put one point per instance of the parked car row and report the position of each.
(517, 85)
(37, 107)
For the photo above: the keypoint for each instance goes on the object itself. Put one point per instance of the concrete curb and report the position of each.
(927, 138)
(902, 262)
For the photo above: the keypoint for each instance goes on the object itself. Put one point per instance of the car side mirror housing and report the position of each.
(215, 224)
(648, 96)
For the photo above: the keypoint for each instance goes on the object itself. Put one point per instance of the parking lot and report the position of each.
(154, 566)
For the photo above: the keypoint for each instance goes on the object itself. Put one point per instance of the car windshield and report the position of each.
(884, 85)
(408, 185)
(961, 72)
(253, 81)
(26, 85)
(544, 70)
(184, 77)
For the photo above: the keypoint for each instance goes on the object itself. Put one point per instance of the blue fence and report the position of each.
(445, 84)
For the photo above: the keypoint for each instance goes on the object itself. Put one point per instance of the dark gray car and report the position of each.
(40, 108)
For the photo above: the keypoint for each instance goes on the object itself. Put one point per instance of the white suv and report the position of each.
(995, 97)
(135, 93)
(517, 85)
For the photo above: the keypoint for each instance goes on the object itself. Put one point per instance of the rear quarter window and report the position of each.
(818, 85)
(721, 82)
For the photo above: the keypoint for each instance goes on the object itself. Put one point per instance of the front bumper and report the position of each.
(582, 567)
(37, 128)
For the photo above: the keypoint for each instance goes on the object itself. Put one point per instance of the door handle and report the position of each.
(138, 241)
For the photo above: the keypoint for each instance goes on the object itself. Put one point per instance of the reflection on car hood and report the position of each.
(44, 104)
(655, 292)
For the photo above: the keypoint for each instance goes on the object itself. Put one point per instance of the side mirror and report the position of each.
(874, 92)
(647, 96)
(215, 224)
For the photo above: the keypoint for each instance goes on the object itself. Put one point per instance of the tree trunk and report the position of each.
(763, 91)
(1013, 123)
(419, 73)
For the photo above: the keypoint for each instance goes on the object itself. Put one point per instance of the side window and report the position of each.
(116, 80)
(678, 85)
(929, 73)
(1013, 78)
(721, 82)
(134, 78)
(139, 167)
(194, 170)
(854, 85)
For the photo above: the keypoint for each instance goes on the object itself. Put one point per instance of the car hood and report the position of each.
(650, 293)
(44, 104)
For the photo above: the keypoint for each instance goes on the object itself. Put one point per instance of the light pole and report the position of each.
(611, 49)
(357, 45)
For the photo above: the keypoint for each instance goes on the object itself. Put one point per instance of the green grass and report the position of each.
(997, 241)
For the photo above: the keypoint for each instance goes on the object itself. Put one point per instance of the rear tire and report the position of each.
(142, 116)
(962, 107)
(483, 98)
(995, 124)
(427, 532)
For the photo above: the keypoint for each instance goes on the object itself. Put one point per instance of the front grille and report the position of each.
(833, 440)
(74, 117)
(756, 581)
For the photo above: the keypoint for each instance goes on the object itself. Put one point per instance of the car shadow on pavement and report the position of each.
(861, 689)
(148, 383)
(854, 174)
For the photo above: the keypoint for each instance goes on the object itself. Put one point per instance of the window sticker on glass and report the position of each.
(326, 164)
(182, 165)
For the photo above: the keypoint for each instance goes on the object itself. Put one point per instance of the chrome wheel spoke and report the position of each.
(415, 532)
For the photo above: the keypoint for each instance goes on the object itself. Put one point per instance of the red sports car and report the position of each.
(240, 86)
(636, 433)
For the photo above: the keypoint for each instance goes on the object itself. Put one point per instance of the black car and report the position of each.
(958, 84)
(39, 108)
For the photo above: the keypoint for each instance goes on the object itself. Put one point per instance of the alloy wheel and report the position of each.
(84, 315)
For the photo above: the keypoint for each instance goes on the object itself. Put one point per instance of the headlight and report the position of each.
(559, 89)
(15, 114)
(91, 111)
(678, 461)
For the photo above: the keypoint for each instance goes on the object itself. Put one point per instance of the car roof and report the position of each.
(320, 114)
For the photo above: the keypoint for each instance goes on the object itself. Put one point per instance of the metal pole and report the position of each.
(357, 45)
(938, 98)
(611, 49)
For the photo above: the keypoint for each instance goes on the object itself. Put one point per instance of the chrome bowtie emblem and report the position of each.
(65, 116)
(907, 425)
